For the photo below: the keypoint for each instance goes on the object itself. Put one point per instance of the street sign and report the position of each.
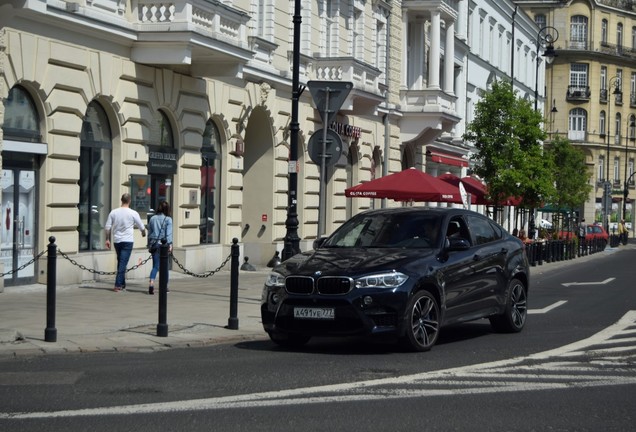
(333, 147)
(329, 97)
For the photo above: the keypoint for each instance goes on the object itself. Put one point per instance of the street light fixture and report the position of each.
(607, 187)
(545, 38)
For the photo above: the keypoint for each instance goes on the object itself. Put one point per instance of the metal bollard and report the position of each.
(50, 333)
(164, 254)
(233, 322)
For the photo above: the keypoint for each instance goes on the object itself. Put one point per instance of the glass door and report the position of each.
(18, 222)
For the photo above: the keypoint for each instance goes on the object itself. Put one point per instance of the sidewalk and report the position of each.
(91, 317)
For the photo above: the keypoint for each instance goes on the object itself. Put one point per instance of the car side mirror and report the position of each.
(319, 242)
(457, 244)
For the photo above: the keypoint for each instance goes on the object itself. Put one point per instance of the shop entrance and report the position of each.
(19, 189)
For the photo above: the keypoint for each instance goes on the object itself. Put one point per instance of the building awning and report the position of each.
(448, 159)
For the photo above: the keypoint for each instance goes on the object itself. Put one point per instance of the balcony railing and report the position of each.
(578, 93)
(363, 76)
(578, 44)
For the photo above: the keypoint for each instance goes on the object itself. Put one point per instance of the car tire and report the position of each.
(516, 311)
(289, 340)
(422, 322)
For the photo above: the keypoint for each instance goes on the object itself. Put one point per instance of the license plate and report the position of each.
(314, 313)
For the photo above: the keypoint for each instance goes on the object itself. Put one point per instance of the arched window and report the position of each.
(166, 138)
(95, 177)
(21, 121)
(210, 208)
(577, 124)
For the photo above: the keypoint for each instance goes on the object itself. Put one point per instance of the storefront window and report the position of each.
(210, 184)
(95, 178)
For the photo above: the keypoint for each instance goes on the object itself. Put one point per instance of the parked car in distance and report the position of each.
(594, 231)
(402, 273)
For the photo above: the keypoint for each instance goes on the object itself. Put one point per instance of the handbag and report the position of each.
(154, 245)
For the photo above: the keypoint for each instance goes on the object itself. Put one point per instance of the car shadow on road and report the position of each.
(366, 346)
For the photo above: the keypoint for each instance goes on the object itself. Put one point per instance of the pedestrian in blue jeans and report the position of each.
(120, 226)
(159, 228)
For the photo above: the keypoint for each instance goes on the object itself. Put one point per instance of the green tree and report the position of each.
(507, 136)
(572, 176)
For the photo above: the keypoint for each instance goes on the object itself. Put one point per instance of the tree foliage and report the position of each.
(507, 135)
(571, 177)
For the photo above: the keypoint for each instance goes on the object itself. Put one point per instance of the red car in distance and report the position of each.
(594, 231)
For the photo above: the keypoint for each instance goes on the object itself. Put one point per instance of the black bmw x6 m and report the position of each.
(403, 273)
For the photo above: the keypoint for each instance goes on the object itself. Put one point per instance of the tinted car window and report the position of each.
(482, 229)
(391, 230)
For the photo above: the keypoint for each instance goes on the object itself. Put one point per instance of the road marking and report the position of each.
(559, 369)
(606, 281)
(547, 308)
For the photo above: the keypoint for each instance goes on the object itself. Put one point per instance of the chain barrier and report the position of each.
(100, 272)
(105, 273)
(23, 266)
(201, 275)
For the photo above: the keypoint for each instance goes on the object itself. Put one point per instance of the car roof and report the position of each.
(442, 211)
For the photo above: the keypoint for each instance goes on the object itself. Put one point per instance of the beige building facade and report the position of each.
(592, 87)
(187, 102)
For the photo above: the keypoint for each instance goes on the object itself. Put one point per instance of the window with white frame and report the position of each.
(578, 29)
(604, 32)
(634, 37)
(577, 124)
(617, 128)
(540, 20)
(578, 76)
(380, 52)
(357, 30)
(617, 169)
(329, 16)
(619, 35)
(262, 16)
(602, 123)
(600, 171)
(632, 89)
(630, 171)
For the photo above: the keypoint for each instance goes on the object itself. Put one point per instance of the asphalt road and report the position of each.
(573, 368)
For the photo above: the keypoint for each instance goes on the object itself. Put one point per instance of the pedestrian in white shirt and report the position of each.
(120, 226)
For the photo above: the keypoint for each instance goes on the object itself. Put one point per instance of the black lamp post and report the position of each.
(545, 38)
(607, 190)
(291, 241)
(630, 126)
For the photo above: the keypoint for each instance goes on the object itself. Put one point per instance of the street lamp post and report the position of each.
(630, 126)
(292, 241)
(545, 38)
(607, 187)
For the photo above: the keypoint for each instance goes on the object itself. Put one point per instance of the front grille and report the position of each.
(299, 285)
(332, 285)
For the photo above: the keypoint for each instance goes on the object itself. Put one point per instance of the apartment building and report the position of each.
(592, 88)
(189, 101)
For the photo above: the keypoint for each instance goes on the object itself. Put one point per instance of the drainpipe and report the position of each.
(387, 127)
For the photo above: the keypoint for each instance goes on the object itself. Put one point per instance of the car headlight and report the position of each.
(275, 280)
(382, 280)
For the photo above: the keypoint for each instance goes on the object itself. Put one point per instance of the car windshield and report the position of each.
(388, 230)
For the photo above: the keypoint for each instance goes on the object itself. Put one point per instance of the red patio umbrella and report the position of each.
(474, 187)
(407, 185)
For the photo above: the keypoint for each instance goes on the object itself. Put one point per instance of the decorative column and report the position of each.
(449, 58)
(434, 57)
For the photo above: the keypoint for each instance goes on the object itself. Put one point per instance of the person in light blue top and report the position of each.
(159, 228)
